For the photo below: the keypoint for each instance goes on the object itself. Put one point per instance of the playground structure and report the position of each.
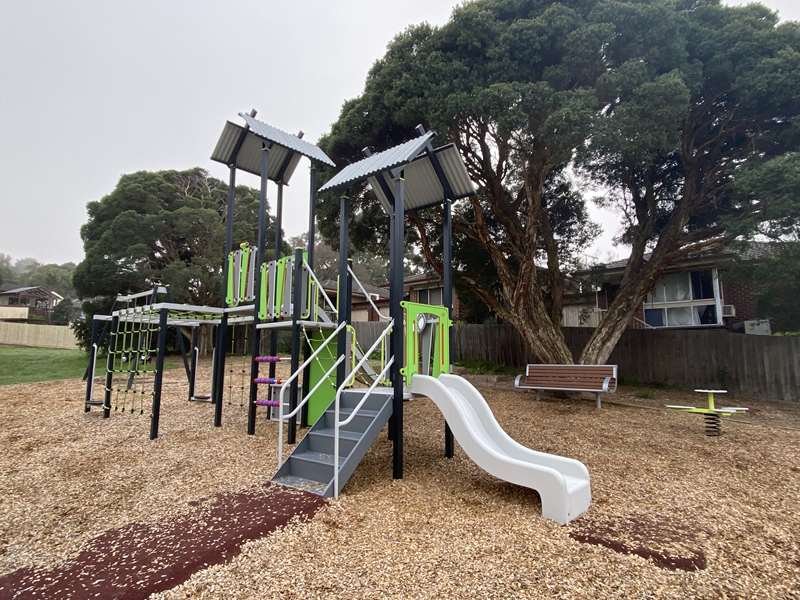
(324, 394)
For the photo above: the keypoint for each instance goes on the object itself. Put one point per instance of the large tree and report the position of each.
(769, 196)
(695, 96)
(511, 83)
(165, 227)
(662, 102)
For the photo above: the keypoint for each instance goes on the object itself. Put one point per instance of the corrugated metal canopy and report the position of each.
(388, 159)
(284, 154)
(423, 187)
(287, 140)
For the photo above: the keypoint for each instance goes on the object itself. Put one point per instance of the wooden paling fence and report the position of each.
(766, 367)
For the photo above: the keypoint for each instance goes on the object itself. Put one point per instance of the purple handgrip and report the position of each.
(266, 403)
(268, 359)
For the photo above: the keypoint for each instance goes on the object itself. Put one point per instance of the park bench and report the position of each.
(596, 379)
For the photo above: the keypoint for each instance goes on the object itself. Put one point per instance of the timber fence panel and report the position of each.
(756, 367)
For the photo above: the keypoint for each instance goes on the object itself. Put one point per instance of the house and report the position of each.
(363, 308)
(694, 292)
(27, 303)
(426, 288)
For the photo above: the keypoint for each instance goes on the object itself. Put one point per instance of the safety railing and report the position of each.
(313, 276)
(336, 424)
(295, 375)
(368, 296)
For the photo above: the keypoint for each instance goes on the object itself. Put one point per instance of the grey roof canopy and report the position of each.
(284, 155)
(423, 186)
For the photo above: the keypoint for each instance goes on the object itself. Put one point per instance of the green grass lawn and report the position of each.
(21, 364)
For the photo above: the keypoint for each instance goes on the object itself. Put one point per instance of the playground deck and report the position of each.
(674, 513)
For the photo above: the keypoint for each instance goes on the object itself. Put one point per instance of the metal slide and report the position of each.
(562, 483)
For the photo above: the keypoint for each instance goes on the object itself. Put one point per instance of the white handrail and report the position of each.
(358, 406)
(368, 296)
(294, 376)
(319, 285)
(91, 374)
(338, 424)
(282, 417)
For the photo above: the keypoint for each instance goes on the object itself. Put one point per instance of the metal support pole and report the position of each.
(159, 374)
(396, 296)
(297, 292)
(218, 368)
(193, 363)
(447, 296)
(273, 336)
(312, 234)
(112, 343)
(255, 337)
(90, 368)
(342, 296)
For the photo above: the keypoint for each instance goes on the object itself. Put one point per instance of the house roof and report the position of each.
(421, 277)
(19, 290)
(30, 288)
(741, 250)
(329, 285)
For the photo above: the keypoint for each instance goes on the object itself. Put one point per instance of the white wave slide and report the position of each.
(562, 483)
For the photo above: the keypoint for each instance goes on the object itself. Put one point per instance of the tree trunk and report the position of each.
(639, 277)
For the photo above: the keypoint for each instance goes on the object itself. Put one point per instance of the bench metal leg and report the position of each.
(599, 401)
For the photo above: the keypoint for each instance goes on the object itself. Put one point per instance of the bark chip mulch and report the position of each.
(139, 559)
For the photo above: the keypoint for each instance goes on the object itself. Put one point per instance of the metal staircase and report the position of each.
(311, 465)
(326, 458)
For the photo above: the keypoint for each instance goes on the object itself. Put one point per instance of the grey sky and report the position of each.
(94, 89)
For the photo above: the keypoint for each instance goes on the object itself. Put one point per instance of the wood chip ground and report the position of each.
(675, 514)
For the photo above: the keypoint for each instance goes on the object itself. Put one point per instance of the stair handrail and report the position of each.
(282, 417)
(294, 376)
(319, 286)
(368, 296)
(337, 399)
(339, 424)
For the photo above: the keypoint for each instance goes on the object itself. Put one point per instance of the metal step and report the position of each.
(308, 485)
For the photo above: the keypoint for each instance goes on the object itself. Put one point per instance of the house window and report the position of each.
(688, 299)
(430, 296)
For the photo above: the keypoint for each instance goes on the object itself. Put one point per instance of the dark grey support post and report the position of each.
(112, 344)
(159, 374)
(218, 368)
(193, 363)
(343, 294)
(396, 296)
(297, 285)
(255, 337)
(312, 234)
(447, 296)
(447, 260)
(273, 336)
(90, 367)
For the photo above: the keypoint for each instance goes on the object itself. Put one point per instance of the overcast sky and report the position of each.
(95, 89)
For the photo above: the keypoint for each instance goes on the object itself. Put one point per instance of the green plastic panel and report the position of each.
(322, 398)
(441, 347)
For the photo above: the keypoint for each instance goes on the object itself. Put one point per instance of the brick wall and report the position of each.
(743, 296)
